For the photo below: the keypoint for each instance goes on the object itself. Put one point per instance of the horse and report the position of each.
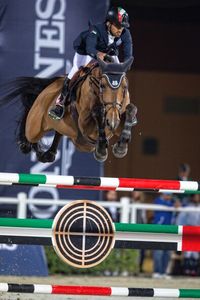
(102, 110)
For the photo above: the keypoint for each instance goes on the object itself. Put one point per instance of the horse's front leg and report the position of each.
(101, 151)
(120, 149)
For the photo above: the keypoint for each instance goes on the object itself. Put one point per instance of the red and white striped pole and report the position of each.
(98, 290)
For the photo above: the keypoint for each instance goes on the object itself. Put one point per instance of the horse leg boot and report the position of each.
(57, 112)
(50, 154)
(101, 152)
(120, 149)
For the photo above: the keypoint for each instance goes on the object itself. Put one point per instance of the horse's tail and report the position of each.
(27, 88)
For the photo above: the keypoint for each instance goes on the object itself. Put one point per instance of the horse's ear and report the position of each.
(102, 64)
(127, 64)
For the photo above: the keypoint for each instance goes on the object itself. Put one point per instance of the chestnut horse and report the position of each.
(102, 109)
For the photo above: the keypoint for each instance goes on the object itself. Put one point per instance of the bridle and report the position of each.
(97, 82)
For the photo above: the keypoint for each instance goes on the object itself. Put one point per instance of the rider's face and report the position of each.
(116, 30)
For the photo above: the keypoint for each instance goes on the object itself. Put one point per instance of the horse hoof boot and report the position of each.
(99, 157)
(47, 156)
(120, 151)
(24, 146)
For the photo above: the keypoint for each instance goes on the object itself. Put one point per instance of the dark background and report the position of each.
(165, 86)
(165, 34)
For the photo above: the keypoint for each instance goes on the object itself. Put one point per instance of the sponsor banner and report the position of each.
(36, 39)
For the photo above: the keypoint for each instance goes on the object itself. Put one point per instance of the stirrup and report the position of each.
(53, 115)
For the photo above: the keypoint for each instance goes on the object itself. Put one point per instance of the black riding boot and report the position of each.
(57, 112)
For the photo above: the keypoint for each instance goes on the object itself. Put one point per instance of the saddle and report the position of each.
(78, 79)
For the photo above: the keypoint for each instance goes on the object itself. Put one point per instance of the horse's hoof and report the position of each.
(120, 151)
(99, 157)
(41, 157)
(45, 157)
(25, 147)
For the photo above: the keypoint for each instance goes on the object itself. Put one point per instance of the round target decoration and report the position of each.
(83, 234)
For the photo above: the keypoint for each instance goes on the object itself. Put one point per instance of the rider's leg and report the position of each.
(116, 59)
(61, 98)
(57, 112)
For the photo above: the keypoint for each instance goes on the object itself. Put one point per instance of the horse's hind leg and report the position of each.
(50, 154)
(120, 149)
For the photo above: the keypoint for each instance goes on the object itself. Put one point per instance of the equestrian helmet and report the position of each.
(118, 16)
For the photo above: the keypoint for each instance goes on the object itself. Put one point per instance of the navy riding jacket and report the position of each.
(96, 40)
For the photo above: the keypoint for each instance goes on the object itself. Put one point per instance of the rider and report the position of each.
(99, 40)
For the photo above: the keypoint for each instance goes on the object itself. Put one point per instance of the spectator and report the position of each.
(177, 256)
(183, 175)
(113, 211)
(183, 172)
(161, 258)
(139, 197)
(190, 259)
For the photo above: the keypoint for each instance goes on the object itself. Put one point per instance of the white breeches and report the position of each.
(81, 61)
(116, 59)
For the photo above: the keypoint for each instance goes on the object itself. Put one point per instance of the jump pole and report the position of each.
(130, 236)
(100, 183)
(83, 234)
(98, 290)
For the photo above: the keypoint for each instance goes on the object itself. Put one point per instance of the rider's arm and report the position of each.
(127, 44)
(91, 42)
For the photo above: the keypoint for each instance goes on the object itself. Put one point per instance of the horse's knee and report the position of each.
(131, 111)
(32, 138)
(33, 133)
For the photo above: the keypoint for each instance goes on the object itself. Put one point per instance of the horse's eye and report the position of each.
(103, 86)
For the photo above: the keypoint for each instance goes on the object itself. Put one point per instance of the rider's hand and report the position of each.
(101, 55)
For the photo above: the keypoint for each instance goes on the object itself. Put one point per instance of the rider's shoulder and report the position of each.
(126, 31)
(126, 34)
(97, 28)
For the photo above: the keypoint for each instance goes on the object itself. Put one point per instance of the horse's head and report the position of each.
(114, 90)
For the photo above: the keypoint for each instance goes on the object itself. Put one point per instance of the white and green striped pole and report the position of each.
(131, 236)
